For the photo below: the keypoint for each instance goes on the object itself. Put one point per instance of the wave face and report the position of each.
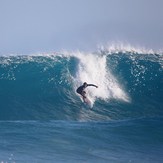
(42, 87)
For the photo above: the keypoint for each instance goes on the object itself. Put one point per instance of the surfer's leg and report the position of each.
(84, 99)
(83, 94)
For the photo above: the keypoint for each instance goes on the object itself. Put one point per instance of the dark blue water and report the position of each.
(42, 118)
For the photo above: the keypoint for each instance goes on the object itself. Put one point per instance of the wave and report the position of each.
(43, 87)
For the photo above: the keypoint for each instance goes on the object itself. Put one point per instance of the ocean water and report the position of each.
(43, 120)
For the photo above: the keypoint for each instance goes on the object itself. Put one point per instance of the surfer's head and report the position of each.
(85, 84)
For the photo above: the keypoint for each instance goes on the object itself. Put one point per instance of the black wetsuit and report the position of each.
(81, 89)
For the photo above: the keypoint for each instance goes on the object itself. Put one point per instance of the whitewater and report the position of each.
(43, 119)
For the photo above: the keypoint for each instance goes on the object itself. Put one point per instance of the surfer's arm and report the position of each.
(92, 85)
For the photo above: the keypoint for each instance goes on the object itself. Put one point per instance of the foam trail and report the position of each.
(93, 69)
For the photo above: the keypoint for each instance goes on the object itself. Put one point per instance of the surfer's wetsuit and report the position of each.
(81, 89)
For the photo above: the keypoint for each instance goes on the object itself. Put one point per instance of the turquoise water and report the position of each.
(42, 118)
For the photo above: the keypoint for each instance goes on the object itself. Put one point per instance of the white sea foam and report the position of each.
(93, 69)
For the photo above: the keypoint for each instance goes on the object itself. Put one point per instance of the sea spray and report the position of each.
(93, 68)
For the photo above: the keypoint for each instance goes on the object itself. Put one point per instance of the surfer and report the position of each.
(81, 90)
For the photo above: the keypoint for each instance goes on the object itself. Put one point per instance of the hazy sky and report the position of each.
(30, 26)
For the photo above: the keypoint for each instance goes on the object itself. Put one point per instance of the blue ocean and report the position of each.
(43, 120)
